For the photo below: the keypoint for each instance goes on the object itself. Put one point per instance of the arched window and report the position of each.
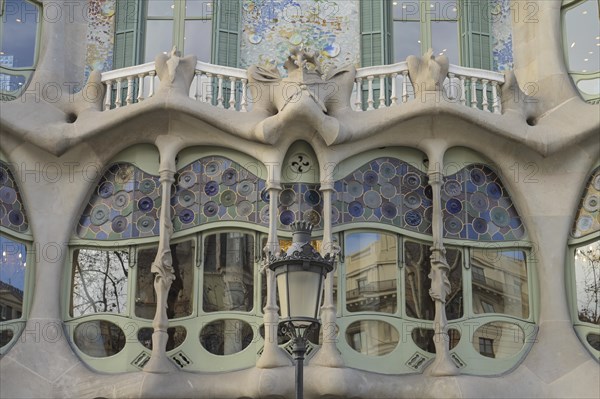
(15, 242)
(584, 266)
(19, 33)
(581, 39)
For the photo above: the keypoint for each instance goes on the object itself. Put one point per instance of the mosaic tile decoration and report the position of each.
(476, 206)
(588, 215)
(502, 52)
(216, 189)
(100, 35)
(385, 190)
(300, 201)
(271, 27)
(126, 204)
(12, 211)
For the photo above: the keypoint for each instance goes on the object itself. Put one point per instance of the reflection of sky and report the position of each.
(359, 241)
(582, 28)
(12, 269)
(19, 31)
(584, 278)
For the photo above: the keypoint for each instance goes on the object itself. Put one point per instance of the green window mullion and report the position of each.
(179, 25)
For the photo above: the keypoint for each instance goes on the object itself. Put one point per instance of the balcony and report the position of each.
(372, 288)
(229, 88)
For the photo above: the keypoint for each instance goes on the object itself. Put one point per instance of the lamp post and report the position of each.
(300, 272)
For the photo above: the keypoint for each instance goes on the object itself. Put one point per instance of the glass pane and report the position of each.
(443, 9)
(499, 280)
(99, 338)
(228, 272)
(99, 281)
(197, 40)
(498, 339)
(407, 40)
(371, 272)
(12, 278)
(587, 278)
(424, 338)
(11, 82)
(444, 40)
(176, 337)
(6, 335)
(226, 337)
(199, 8)
(372, 337)
(159, 39)
(180, 301)
(582, 29)
(161, 8)
(588, 86)
(18, 34)
(594, 340)
(417, 282)
(406, 10)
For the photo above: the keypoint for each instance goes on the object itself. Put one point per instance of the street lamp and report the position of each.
(300, 273)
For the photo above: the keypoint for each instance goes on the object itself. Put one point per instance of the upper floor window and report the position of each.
(581, 38)
(19, 20)
(208, 29)
(393, 30)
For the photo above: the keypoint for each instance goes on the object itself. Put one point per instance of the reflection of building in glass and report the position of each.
(11, 302)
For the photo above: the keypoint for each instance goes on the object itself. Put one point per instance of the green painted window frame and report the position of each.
(225, 22)
(577, 76)
(26, 72)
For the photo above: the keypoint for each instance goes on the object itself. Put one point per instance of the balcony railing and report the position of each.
(374, 287)
(374, 87)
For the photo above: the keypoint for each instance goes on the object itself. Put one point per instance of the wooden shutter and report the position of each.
(475, 31)
(376, 32)
(127, 33)
(227, 33)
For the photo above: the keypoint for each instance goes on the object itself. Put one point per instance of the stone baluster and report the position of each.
(151, 91)
(209, 91)
(440, 284)
(162, 268)
(404, 86)
(450, 92)
(220, 91)
(473, 92)
(381, 92)
(358, 102)
(198, 95)
(140, 93)
(108, 95)
(495, 98)
(129, 99)
(370, 94)
(243, 100)
(463, 90)
(119, 88)
(394, 97)
(484, 102)
(232, 90)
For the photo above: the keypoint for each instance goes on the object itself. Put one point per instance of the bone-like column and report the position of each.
(272, 355)
(440, 284)
(328, 355)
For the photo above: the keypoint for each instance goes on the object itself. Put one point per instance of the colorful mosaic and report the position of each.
(126, 204)
(385, 190)
(216, 189)
(476, 206)
(588, 215)
(100, 35)
(271, 27)
(12, 211)
(502, 34)
(300, 201)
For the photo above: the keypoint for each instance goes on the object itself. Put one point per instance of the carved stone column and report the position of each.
(328, 355)
(163, 277)
(440, 284)
(272, 355)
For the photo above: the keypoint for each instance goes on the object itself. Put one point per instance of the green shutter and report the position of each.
(376, 32)
(227, 33)
(475, 32)
(127, 33)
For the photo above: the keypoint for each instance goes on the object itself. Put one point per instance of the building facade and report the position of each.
(152, 152)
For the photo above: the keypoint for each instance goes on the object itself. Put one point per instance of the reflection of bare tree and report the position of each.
(99, 281)
(588, 295)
